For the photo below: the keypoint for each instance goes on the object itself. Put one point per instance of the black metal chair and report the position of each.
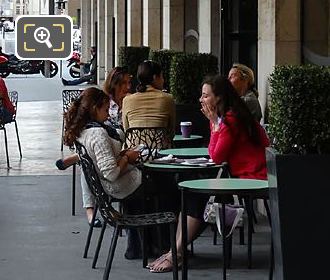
(121, 221)
(153, 138)
(68, 96)
(13, 96)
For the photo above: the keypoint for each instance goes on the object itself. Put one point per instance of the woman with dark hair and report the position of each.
(149, 106)
(117, 85)
(84, 122)
(236, 138)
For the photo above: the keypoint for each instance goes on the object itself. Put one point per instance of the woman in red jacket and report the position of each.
(236, 138)
(7, 109)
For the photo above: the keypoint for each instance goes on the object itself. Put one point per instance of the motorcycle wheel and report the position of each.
(53, 69)
(4, 74)
(74, 73)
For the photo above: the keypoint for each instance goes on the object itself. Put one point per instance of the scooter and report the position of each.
(9, 63)
(74, 64)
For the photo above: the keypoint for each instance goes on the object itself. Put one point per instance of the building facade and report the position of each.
(259, 33)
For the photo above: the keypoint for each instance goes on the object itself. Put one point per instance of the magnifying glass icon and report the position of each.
(41, 35)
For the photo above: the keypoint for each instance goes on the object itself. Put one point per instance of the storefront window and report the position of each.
(316, 36)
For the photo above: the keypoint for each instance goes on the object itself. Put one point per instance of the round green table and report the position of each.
(185, 152)
(219, 186)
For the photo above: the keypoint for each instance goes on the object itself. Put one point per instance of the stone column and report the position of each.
(85, 7)
(119, 12)
(204, 24)
(279, 40)
(109, 36)
(152, 24)
(134, 22)
(100, 41)
(173, 24)
(93, 15)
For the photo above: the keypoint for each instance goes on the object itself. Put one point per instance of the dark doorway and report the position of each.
(239, 28)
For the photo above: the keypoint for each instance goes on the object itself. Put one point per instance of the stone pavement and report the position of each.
(39, 239)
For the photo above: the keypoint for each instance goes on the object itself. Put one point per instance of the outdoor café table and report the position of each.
(219, 186)
(185, 152)
(187, 142)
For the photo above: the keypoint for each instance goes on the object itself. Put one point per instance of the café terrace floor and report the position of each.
(39, 239)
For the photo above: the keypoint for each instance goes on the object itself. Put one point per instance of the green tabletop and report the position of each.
(177, 167)
(185, 152)
(224, 184)
(179, 137)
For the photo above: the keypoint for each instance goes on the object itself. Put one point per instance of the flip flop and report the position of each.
(152, 264)
(162, 269)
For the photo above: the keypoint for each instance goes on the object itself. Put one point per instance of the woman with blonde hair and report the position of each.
(242, 79)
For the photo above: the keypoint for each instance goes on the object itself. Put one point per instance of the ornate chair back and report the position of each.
(68, 96)
(153, 139)
(92, 178)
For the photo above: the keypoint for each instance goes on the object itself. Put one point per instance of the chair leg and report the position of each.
(229, 244)
(192, 247)
(62, 135)
(18, 141)
(90, 232)
(111, 253)
(144, 247)
(6, 147)
(215, 234)
(241, 235)
(99, 243)
(268, 212)
(73, 190)
(250, 230)
(174, 252)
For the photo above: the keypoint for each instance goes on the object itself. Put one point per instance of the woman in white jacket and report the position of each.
(84, 122)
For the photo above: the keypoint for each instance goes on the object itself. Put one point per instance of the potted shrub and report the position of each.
(187, 72)
(131, 57)
(299, 170)
(164, 58)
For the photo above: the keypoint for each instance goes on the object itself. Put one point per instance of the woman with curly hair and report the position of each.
(84, 122)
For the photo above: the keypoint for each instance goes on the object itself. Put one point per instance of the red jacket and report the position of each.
(5, 98)
(232, 144)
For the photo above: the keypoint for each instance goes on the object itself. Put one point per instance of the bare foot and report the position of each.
(158, 260)
(165, 264)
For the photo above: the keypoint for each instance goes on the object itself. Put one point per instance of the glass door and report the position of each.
(239, 29)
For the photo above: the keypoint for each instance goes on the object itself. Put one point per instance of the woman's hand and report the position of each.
(210, 112)
(132, 155)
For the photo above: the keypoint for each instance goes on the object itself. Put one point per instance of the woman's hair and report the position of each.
(246, 74)
(229, 100)
(114, 78)
(81, 112)
(145, 74)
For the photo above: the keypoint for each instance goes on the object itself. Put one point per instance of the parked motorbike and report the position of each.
(74, 65)
(11, 64)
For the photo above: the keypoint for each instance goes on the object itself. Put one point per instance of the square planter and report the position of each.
(299, 204)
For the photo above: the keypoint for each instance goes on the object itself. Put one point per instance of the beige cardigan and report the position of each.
(152, 108)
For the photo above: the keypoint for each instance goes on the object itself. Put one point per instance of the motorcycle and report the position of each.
(11, 64)
(74, 64)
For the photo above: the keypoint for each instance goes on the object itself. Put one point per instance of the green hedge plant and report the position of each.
(299, 112)
(187, 72)
(164, 58)
(131, 57)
